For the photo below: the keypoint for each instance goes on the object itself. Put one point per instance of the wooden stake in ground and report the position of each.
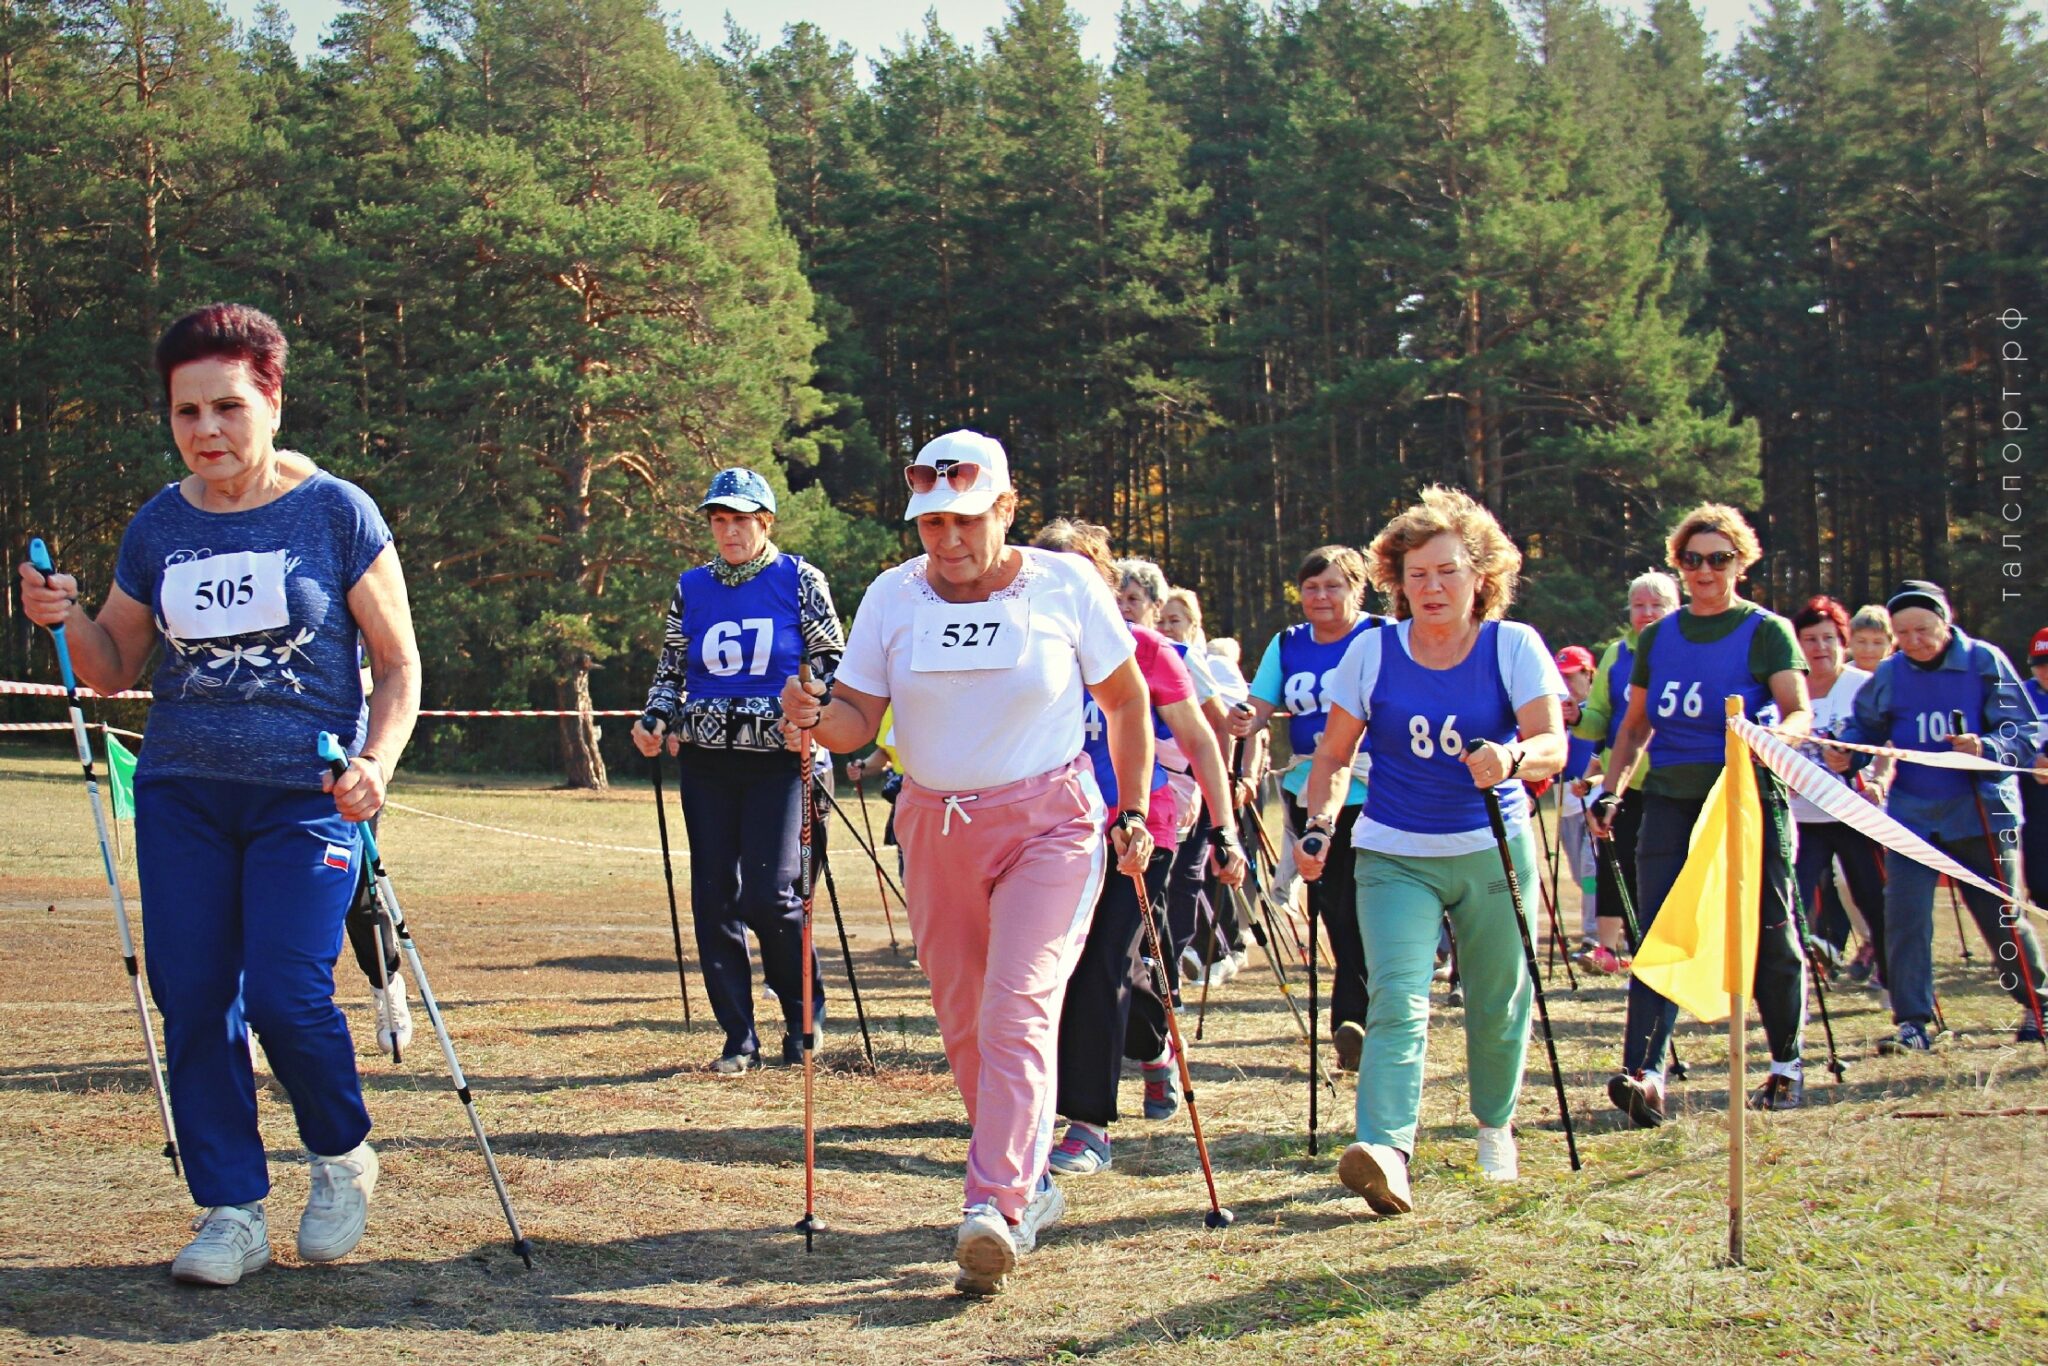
(1738, 1000)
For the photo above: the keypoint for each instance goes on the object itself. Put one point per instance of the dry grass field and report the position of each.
(659, 1198)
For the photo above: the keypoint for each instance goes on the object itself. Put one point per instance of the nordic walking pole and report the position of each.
(867, 849)
(880, 894)
(1827, 1024)
(381, 928)
(668, 873)
(1955, 904)
(39, 556)
(1316, 844)
(846, 956)
(1550, 896)
(1208, 968)
(1217, 1217)
(808, 1225)
(1507, 863)
(1629, 928)
(2019, 948)
(337, 764)
(1258, 932)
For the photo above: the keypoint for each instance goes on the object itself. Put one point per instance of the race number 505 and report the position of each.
(223, 592)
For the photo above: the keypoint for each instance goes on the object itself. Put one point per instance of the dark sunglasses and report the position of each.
(1719, 559)
(958, 474)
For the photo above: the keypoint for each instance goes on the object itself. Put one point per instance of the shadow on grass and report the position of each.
(889, 1278)
(1288, 1304)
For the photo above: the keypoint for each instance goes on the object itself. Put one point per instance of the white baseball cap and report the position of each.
(941, 453)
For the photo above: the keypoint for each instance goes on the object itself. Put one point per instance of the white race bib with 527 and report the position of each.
(948, 637)
(225, 595)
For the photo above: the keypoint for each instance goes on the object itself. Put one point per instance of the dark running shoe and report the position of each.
(2029, 1030)
(1911, 1038)
(1779, 1092)
(1641, 1101)
(1350, 1043)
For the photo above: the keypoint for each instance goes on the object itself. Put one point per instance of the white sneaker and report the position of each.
(339, 1205)
(1041, 1212)
(1498, 1160)
(985, 1249)
(394, 1016)
(1380, 1174)
(233, 1241)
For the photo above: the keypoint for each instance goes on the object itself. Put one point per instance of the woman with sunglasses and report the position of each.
(735, 628)
(985, 650)
(1718, 644)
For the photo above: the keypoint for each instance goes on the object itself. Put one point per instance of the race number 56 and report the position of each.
(1669, 703)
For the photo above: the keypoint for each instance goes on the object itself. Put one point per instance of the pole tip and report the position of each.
(1219, 1218)
(525, 1250)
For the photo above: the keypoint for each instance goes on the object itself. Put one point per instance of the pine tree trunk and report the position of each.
(582, 765)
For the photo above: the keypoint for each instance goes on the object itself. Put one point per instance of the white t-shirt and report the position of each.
(1526, 670)
(1830, 714)
(1228, 678)
(967, 730)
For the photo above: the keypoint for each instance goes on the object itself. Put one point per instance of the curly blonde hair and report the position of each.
(1439, 511)
(1721, 520)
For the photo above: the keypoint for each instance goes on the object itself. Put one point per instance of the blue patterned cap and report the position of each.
(742, 490)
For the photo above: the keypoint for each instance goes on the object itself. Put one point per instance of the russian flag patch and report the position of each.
(339, 857)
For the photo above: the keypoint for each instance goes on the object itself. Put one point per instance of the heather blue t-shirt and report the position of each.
(248, 707)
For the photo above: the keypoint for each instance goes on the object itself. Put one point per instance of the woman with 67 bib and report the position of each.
(256, 574)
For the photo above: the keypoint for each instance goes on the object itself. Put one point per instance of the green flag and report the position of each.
(121, 778)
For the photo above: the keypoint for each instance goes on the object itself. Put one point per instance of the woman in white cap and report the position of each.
(984, 649)
(736, 628)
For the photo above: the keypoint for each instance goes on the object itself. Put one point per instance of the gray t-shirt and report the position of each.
(248, 704)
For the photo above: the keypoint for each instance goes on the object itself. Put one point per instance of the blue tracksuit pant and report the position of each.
(244, 889)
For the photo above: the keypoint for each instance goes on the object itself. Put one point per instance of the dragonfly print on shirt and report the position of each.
(243, 666)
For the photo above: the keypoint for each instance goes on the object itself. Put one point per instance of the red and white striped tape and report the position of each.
(56, 690)
(65, 725)
(488, 712)
(87, 694)
(1940, 758)
(1835, 797)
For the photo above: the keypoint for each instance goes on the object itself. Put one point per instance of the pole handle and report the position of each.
(39, 556)
(337, 764)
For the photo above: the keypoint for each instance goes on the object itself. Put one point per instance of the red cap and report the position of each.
(1579, 659)
(2039, 649)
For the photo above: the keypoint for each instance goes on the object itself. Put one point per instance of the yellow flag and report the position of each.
(1684, 957)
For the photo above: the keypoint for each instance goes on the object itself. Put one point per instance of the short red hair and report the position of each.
(228, 332)
(1818, 609)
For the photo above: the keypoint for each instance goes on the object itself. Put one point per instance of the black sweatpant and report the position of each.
(1332, 899)
(1112, 1009)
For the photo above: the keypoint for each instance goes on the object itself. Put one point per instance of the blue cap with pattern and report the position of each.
(742, 490)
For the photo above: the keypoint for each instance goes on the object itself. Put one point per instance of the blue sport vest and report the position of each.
(744, 641)
(1921, 700)
(1304, 669)
(1687, 683)
(1617, 689)
(1422, 722)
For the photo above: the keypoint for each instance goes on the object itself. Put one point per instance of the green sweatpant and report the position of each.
(1402, 900)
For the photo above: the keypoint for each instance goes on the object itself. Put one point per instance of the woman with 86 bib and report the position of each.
(1452, 703)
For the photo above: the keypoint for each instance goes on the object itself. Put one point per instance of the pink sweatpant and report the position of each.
(1001, 884)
